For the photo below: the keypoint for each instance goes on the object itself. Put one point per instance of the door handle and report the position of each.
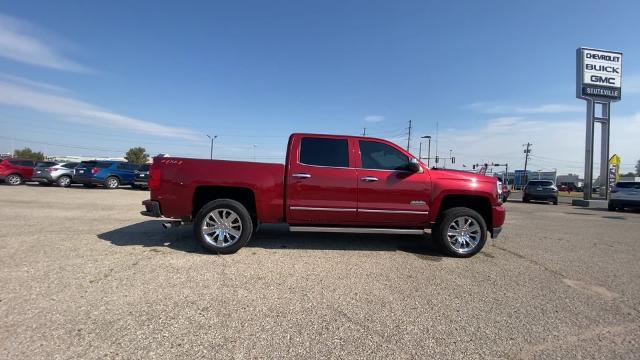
(301, 176)
(369, 178)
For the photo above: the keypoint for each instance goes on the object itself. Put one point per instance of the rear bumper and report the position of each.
(141, 182)
(540, 196)
(43, 178)
(152, 208)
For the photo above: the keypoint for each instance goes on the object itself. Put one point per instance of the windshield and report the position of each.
(540, 183)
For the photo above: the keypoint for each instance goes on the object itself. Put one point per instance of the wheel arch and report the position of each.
(207, 193)
(480, 204)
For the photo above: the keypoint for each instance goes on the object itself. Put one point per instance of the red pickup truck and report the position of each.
(329, 183)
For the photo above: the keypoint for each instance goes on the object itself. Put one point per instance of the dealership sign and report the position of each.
(599, 74)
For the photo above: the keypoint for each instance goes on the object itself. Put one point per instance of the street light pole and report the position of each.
(428, 151)
(212, 138)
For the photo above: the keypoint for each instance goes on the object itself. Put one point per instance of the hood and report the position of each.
(460, 175)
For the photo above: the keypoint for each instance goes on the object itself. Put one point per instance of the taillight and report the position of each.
(154, 178)
(95, 170)
(51, 169)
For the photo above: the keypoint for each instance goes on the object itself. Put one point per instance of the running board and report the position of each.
(355, 230)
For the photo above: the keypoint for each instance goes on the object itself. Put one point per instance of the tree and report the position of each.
(27, 153)
(638, 168)
(137, 155)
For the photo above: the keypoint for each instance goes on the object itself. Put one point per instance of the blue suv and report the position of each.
(111, 174)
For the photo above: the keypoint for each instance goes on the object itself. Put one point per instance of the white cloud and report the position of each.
(373, 118)
(556, 143)
(19, 42)
(631, 84)
(45, 99)
(493, 108)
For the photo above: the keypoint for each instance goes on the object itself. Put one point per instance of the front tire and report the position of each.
(14, 179)
(223, 226)
(460, 232)
(611, 206)
(112, 182)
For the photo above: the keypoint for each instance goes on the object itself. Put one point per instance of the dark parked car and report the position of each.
(541, 190)
(61, 174)
(626, 194)
(110, 174)
(16, 171)
(142, 177)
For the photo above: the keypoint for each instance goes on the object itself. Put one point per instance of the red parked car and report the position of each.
(329, 183)
(16, 171)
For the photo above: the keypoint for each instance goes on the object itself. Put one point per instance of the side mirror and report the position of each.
(414, 165)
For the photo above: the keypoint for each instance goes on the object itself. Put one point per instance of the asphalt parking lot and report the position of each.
(83, 275)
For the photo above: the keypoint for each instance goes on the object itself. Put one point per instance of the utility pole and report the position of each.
(527, 153)
(428, 137)
(212, 138)
(364, 131)
(409, 136)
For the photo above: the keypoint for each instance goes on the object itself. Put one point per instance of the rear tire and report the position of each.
(14, 179)
(223, 226)
(555, 202)
(64, 181)
(611, 206)
(111, 183)
(460, 232)
(525, 200)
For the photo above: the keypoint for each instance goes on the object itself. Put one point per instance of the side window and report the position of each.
(123, 166)
(70, 165)
(380, 156)
(27, 163)
(324, 152)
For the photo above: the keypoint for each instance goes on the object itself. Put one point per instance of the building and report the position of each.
(570, 180)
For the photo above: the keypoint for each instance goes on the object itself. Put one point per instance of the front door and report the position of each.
(321, 183)
(389, 194)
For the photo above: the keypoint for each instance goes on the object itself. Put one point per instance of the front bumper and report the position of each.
(498, 214)
(625, 202)
(152, 208)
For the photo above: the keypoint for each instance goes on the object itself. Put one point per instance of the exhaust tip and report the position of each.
(171, 224)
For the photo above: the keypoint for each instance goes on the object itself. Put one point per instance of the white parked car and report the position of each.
(625, 194)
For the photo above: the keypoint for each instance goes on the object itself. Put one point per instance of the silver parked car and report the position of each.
(60, 174)
(625, 194)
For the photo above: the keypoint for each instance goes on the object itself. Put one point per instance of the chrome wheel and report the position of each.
(464, 234)
(222, 227)
(112, 183)
(64, 181)
(14, 179)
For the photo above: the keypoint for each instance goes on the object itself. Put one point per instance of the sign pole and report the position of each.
(588, 152)
(604, 151)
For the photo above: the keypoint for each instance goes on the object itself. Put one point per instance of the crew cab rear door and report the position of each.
(388, 192)
(321, 181)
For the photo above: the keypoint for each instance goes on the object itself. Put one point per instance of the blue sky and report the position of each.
(97, 78)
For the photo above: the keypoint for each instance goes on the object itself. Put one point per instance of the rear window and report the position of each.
(540, 183)
(18, 162)
(324, 152)
(628, 185)
(46, 163)
(71, 165)
(98, 164)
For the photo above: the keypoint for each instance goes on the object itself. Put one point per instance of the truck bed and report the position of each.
(181, 178)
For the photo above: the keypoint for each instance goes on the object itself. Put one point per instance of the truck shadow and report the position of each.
(151, 234)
